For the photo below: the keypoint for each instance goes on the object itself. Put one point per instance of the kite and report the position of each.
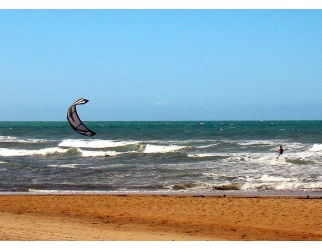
(75, 121)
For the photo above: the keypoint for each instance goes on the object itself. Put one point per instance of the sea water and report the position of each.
(195, 157)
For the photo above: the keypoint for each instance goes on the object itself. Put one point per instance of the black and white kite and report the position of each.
(75, 121)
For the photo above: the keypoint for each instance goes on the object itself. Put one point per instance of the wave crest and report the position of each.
(316, 148)
(150, 149)
(94, 143)
(13, 139)
(25, 152)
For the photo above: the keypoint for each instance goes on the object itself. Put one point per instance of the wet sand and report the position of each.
(159, 218)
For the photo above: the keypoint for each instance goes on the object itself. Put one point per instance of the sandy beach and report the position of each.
(159, 218)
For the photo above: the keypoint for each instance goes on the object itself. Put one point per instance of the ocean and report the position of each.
(175, 157)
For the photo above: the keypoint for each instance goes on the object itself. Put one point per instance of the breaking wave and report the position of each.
(25, 152)
(161, 148)
(95, 143)
(316, 148)
(12, 139)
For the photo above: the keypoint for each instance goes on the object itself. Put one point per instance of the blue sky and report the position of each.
(188, 64)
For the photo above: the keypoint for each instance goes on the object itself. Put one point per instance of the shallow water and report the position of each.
(209, 157)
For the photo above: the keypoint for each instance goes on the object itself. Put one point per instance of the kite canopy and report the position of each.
(75, 121)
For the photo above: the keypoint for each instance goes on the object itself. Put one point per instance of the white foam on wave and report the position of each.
(290, 186)
(207, 146)
(260, 159)
(272, 178)
(65, 165)
(298, 186)
(12, 139)
(287, 145)
(258, 142)
(316, 148)
(240, 157)
(24, 152)
(253, 158)
(150, 149)
(84, 153)
(274, 182)
(201, 155)
(94, 143)
(271, 159)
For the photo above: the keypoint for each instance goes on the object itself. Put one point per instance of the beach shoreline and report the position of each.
(159, 217)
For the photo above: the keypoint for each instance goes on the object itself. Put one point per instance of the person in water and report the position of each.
(280, 151)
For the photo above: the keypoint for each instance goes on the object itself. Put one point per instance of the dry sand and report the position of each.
(159, 218)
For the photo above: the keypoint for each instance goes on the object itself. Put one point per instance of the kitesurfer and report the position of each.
(280, 152)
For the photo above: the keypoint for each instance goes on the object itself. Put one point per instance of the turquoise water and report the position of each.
(212, 157)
